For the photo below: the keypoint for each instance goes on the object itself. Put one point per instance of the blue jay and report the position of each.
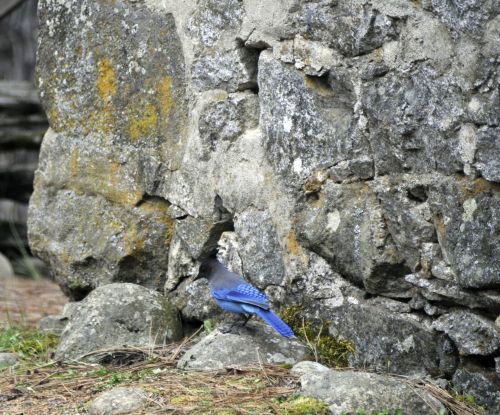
(234, 294)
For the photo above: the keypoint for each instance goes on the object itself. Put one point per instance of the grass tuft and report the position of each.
(29, 344)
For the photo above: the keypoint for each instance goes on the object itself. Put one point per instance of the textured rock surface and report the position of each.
(253, 344)
(413, 348)
(484, 385)
(116, 315)
(473, 334)
(118, 401)
(349, 391)
(350, 152)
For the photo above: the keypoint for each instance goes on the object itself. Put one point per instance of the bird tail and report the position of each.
(275, 322)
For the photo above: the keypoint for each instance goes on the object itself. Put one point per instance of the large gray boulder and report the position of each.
(253, 344)
(115, 316)
(347, 391)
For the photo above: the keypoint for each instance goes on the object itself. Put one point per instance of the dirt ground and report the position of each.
(25, 301)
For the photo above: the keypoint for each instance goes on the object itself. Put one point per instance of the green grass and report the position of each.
(29, 344)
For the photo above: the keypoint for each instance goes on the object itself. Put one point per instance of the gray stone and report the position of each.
(408, 216)
(349, 391)
(227, 119)
(120, 400)
(482, 384)
(352, 30)
(307, 367)
(253, 344)
(262, 245)
(8, 359)
(318, 141)
(472, 333)
(465, 214)
(443, 292)
(412, 348)
(345, 225)
(118, 315)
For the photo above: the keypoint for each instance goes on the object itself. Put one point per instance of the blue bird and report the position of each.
(235, 295)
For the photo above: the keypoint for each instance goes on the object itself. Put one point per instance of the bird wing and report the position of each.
(247, 294)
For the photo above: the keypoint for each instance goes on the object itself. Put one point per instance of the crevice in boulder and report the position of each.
(482, 361)
(152, 198)
(418, 193)
(224, 222)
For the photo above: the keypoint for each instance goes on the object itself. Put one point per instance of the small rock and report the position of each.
(253, 344)
(473, 334)
(8, 359)
(309, 367)
(6, 270)
(118, 401)
(348, 391)
(116, 315)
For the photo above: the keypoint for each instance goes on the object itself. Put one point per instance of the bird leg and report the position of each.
(247, 318)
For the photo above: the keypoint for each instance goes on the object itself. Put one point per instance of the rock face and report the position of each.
(345, 155)
(349, 391)
(251, 345)
(117, 315)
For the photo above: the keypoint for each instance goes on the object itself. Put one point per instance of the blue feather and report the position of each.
(248, 294)
(235, 295)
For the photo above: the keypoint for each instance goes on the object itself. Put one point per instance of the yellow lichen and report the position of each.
(106, 80)
(144, 123)
(292, 245)
(165, 95)
(160, 210)
(107, 86)
(73, 164)
(133, 240)
(103, 177)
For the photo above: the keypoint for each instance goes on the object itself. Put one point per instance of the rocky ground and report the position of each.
(246, 371)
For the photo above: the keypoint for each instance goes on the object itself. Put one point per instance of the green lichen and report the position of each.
(327, 349)
(301, 405)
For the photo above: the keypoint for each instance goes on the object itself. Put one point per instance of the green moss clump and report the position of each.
(327, 349)
(301, 405)
(28, 344)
